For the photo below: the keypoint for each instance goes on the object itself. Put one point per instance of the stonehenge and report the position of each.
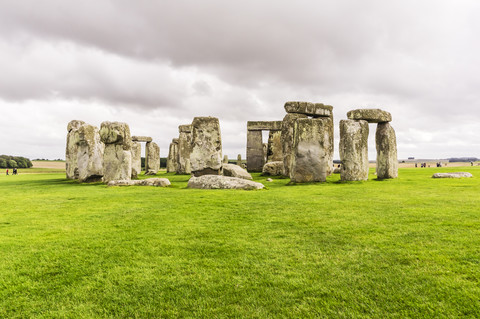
(300, 147)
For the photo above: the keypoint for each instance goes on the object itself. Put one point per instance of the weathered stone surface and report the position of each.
(312, 150)
(370, 115)
(337, 170)
(269, 180)
(452, 175)
(141, 139)
(152, 158)
(184, 148)
(172, 159)
(225, 159)
(273, 168)
(239, 160)
(274, 151)
(287, 139)
(222, 182)
(136, 159)
(71, 149)
(90, 154)
(255, 158)
(116, 133)
(310, 109)
(264, 125)
(354, 150)
(265, 151)
(206, 155)
(235, 171)
(386, 142)
(117, 157)
(158, 182)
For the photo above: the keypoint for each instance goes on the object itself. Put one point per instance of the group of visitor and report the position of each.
(14, 171)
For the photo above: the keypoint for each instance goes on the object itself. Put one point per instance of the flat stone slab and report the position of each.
(310, 109)
(370, 115)
(264, 125)
(233, 170)
(158, 182)
(452, 175)
(222, 182)
(146, 139)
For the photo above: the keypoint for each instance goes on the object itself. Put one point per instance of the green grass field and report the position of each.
(405, 248)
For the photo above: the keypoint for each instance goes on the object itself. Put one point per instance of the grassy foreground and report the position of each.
(382, 249)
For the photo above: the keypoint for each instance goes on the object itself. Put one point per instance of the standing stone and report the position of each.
(172, 159)
(311, 150)
(274, 151)
(184, 148)
(287, 139)
(90, 154)
(225, 159)
(152, 158)
(136, 159)
(265, 152)
(206, 156)
(239, 160)
(386, 142)
(354, 150)
(117, 158)
(71, 151)
(255, 157)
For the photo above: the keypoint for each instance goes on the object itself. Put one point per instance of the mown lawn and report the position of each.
(382, 249)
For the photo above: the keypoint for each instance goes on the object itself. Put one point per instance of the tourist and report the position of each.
(7, 171)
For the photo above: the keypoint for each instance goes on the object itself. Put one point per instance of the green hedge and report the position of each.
(7, 161)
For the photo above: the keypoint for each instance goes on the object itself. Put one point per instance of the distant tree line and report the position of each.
(462, 159)
(7, 161)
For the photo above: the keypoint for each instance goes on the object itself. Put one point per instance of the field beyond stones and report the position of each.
(400, 248)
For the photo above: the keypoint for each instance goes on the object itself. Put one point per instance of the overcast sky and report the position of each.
(158, 64)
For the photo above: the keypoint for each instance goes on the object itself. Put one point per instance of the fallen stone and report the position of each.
(206, 155)
(452, 175)
(157, 182)
(310, 109)
(269, 180)
(222, 182)
(370, 115)
(273, 168)
(235, 171)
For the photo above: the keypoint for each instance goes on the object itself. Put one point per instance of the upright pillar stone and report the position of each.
(239, 160)
(184, 148)
(152, 159)
(287, 139)
(225, 159)
(71, 150)
(117, 158)
(172, 158)
(90, 154)
(354, 150)
(136, 159)
(206, 156)
(255, 157)
(274, 151)
(386, 142)
(311, 150)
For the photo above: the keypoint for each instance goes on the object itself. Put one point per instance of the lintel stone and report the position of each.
(370, 115)
(146, 139)
(264, 125)
(308, 108)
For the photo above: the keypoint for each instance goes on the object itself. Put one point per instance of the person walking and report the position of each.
(7, 171)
